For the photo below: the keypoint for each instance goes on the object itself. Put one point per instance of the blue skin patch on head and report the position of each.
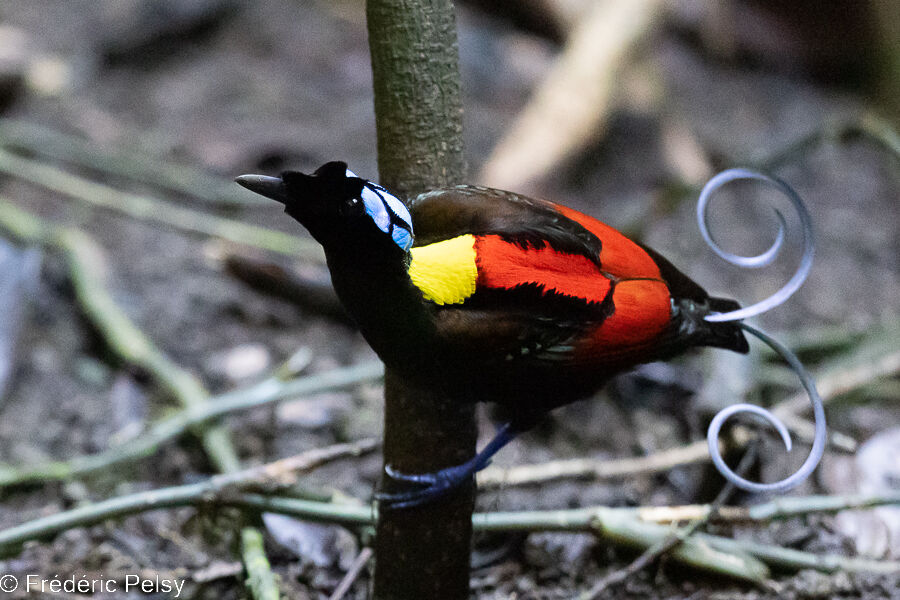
(377, 209)
(388, 212)
(402, 238)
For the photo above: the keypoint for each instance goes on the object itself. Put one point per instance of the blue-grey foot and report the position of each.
(433, 486)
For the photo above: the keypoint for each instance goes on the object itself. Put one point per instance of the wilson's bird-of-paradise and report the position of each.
(494, 296)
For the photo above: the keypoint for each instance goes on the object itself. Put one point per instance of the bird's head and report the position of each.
(336, 206)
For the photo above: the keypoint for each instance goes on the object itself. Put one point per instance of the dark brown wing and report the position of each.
(446, 213)
(530, 223)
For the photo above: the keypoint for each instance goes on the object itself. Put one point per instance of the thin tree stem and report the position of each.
(423, 551)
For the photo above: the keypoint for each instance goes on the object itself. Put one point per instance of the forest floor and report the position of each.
(272, 84)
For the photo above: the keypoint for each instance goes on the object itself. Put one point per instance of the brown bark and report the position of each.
(420, 552)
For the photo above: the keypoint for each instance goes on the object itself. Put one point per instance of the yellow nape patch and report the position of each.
(445, 271)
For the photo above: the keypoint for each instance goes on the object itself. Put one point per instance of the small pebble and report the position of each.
(240, 363)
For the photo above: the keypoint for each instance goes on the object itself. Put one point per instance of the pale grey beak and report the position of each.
(270, 187)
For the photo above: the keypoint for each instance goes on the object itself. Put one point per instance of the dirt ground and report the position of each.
(236, 87)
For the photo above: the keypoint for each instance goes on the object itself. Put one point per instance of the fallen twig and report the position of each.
(312, 292)
(132, 346)
(352, 574)
(37, 139)
(616, 525)
(148, 443)
(780, 508)
(840, 380)
(868, 127)
(875, 358)
(665, 460)
(830, 385)
(680, 546)
(676, 539)
(279, 474)
(213, 491)
(580, 87)
(261, 581)
(155, 210)
(283, 473)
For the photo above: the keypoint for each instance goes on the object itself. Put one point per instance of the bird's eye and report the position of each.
(352, 202)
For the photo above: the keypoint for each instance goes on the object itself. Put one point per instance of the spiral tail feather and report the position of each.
(725, 319)
(766, 258)
(818, 447)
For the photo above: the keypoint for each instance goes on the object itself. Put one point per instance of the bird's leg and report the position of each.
(434, 485)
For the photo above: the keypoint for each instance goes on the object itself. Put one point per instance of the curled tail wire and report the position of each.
(761, 260)
(766, 258)
(818, 447)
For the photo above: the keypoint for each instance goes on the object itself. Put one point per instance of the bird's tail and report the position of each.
(726, 334)
(694, 326)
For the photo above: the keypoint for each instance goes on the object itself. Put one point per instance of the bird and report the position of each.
(493, 296)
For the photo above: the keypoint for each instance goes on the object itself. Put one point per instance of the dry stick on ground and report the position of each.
(870, 357)
(874, 357)
(130, 164)
(137, 350)
(665, 460)
(216, 490)
(580, 86)
(778, 509)
(260, 579)
(841, 380)
(352, 574)
(283, 472)
(86, 264)
(837, 380)
(618, 526)
(835, 385)
(148, 443)
(658, 550)
(602, 469)
(24, 226)
(154, 210)
(802, 430)
(310, 290)
(868, 127)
